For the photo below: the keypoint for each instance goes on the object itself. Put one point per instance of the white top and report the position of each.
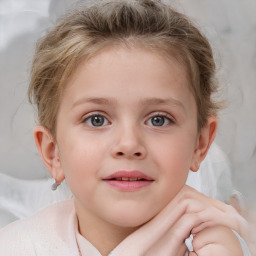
(85, 247)
(52, 231)
(48, 232)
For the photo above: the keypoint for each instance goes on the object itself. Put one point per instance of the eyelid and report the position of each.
(168, 118)
(94, 113)
(160, 113)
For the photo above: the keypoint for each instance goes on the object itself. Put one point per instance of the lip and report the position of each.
(128, 185)
(128, 174)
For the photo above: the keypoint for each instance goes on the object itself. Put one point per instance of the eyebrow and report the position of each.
(143, 102)
(98, 101)
(160, 101)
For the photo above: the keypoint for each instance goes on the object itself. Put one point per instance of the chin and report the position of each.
(128, 219)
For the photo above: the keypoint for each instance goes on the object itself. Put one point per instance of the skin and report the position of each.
(209, 220)
(126, 88)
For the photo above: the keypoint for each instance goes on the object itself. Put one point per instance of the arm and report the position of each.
(190, 211)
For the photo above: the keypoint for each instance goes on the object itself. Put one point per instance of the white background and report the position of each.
(229, 25)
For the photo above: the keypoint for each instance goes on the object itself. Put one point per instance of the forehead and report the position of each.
(118, 60)
(137, 72)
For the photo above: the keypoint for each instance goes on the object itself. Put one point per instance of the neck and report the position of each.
(101, 234)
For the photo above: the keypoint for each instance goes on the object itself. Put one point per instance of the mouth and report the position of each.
(128, 181)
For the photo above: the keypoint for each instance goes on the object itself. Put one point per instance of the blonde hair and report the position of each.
(147, 23)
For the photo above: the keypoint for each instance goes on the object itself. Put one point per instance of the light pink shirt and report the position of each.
(85, 247)
(53, 231)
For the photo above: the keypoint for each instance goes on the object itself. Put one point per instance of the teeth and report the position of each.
(133, 179)
(128, 179)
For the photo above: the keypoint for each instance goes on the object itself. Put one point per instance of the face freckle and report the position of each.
(126, 134)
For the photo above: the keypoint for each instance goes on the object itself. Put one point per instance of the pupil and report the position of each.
(158, 120)
(97, 120)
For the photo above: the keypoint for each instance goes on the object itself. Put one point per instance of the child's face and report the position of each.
(126, 110)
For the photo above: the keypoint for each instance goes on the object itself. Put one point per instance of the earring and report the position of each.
(55, 185)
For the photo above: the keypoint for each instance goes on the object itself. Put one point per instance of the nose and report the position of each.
(129, 144)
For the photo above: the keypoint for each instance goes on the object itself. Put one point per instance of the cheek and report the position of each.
(80, 159)
(175, 152)
(80, 170)
(173, 161)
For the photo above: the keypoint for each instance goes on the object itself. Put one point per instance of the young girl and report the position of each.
(124, 97)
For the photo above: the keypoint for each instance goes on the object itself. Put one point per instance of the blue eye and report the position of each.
(159, 120)
(96, 120)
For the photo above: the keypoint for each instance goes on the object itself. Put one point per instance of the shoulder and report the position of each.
(51, 229)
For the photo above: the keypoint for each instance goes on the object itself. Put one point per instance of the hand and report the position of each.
(190, 211)
(217, 240)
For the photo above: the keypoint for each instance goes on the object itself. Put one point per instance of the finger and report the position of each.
(229, 215)
(174, 239)
(165, 220)
(210, 212)
(201, 227)
(183, 250)
(191, 193)
(160, 224)
(139, 241)
(163, 249)
(164, 238)
(217, 237)
(229, 218)
(192, 254)
(213, 212)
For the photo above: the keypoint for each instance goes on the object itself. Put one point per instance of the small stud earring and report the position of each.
(55, 185)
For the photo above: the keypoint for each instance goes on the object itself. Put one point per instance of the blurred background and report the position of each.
(230, 27)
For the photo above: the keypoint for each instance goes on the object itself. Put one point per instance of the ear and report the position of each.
(49, 152)
(204, 141)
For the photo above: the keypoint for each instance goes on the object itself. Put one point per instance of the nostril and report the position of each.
(122, 154)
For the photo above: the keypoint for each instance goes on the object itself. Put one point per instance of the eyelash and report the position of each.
(95, 114)
(159, 114)
(164, 115)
